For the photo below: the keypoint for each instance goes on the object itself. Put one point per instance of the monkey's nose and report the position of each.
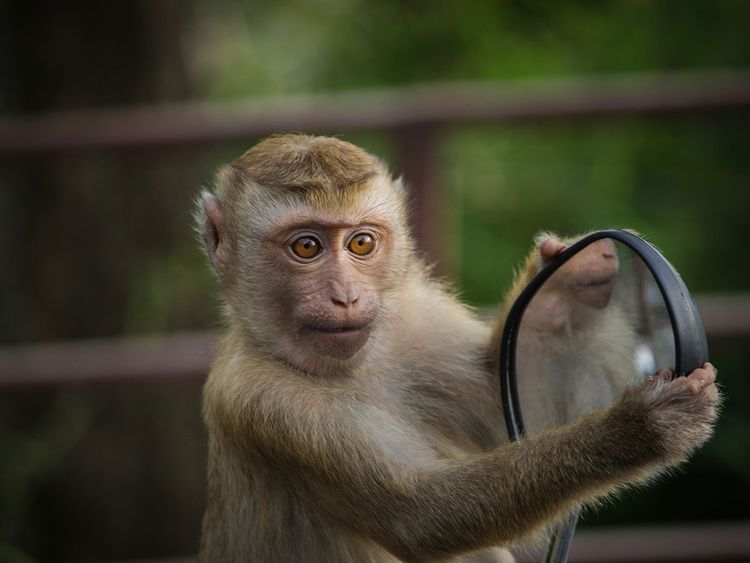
(345, 297)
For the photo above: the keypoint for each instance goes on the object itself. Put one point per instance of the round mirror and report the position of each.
(606, 313)
(596, 325)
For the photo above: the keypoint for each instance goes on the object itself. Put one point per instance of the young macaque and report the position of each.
(352, 410)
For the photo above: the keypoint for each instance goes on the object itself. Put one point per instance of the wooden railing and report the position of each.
(186, 356)
(414, 116)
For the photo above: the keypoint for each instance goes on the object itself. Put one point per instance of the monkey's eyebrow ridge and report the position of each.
(282, 230)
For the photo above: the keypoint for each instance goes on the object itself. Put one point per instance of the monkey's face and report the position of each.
(331, 294)
(586, 282)
(308, 237)
(591, 275)
(325, 269)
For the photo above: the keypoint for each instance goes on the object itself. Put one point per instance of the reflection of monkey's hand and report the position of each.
(669, 418)
(588, 277)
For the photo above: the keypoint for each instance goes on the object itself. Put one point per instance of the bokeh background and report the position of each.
(97, 242)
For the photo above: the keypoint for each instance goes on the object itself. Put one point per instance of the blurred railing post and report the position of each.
(417, 161)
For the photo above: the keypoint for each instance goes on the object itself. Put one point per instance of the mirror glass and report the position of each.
(597, 324)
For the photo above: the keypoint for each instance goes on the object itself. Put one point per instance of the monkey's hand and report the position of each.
(673, 417)
(589, 277)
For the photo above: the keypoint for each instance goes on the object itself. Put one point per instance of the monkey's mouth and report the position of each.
(596, 292)
(601, 282)
(336, 328)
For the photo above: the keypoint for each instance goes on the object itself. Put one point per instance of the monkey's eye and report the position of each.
(306, 247)
(362, 244)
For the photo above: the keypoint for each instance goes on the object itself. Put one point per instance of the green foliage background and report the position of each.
(682, 182)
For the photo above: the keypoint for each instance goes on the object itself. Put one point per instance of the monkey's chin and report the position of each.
(596, 293)
(324, 352)
(340, 345)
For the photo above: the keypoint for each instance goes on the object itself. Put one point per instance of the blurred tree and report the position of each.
(83, 237)
(72, 275)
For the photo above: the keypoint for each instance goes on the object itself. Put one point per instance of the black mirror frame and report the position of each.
(691, 347)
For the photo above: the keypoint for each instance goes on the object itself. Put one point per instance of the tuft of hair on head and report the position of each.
(299, 161)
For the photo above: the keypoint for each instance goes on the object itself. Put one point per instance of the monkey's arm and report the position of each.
(366, 468)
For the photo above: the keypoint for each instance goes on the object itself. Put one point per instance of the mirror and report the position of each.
(596, 325)
(607, 312)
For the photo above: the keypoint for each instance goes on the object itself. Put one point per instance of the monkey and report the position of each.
(352, 410)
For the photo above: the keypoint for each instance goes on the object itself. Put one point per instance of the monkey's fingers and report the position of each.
(666, 374)
(701, 378)
(550, 249)
(659, 378)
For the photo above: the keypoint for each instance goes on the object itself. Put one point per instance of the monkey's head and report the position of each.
(307, 237)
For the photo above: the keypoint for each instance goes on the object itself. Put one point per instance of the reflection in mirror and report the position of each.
(597, 325)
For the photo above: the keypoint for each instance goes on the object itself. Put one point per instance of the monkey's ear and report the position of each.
(211, 228)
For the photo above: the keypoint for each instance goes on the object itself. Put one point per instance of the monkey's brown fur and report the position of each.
(352, 411)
